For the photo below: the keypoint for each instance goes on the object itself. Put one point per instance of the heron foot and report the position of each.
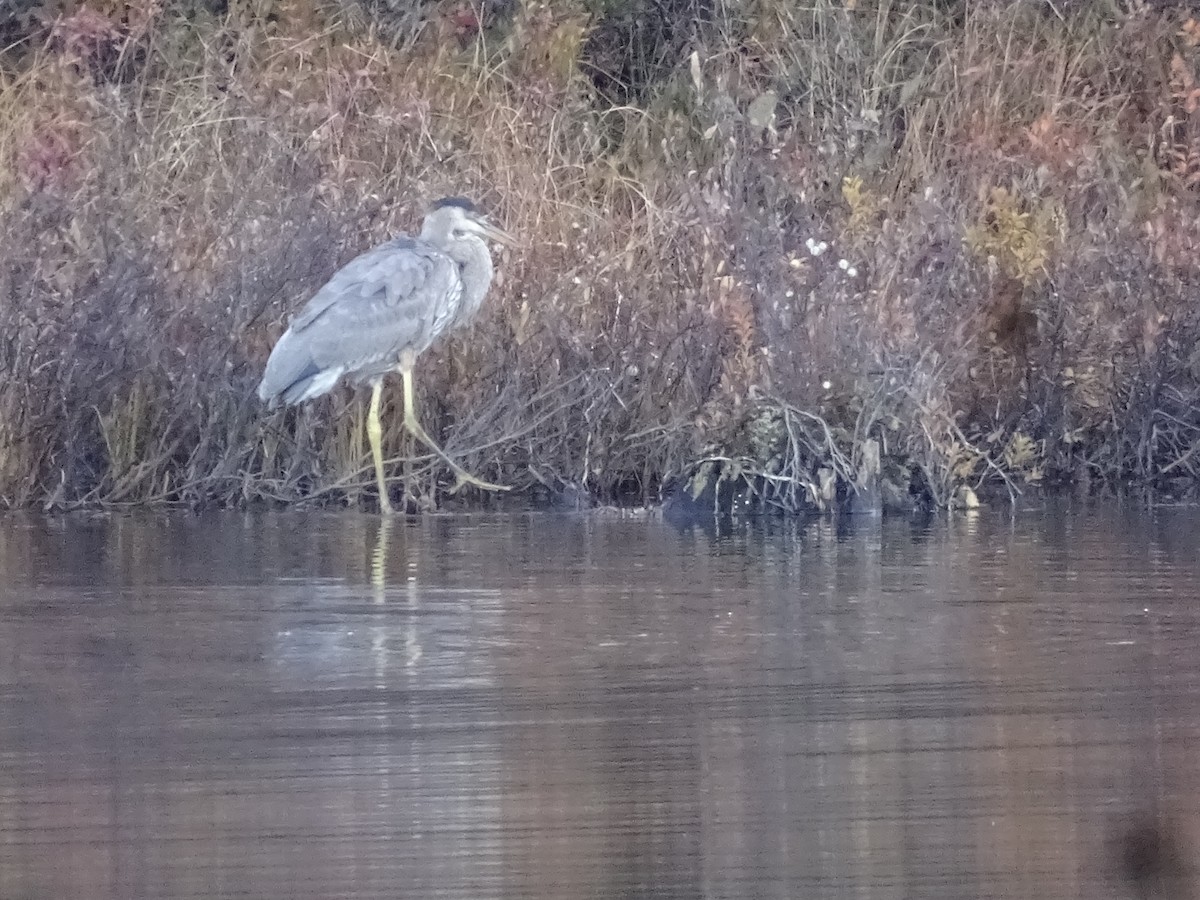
(463, 478)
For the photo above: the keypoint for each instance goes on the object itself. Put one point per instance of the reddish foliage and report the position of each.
(87, 36)
(44, 158)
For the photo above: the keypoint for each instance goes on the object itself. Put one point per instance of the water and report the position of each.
(310, 706)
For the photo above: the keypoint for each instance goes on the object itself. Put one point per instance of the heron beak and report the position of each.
(496, 233)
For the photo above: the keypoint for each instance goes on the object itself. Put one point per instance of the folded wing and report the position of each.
(397, 297)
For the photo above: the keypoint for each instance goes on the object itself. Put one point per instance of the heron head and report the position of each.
(455, 218)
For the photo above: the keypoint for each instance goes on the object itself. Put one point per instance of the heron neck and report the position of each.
(475, 267)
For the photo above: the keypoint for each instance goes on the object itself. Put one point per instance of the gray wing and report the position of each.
(396, 297)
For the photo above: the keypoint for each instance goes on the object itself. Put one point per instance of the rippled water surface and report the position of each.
(316, 706)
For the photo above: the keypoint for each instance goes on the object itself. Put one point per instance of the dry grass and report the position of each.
(1008, 199)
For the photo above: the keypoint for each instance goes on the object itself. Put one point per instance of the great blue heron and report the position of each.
(380, 311)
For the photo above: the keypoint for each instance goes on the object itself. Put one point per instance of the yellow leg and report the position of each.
(415, 429)
(375, 435)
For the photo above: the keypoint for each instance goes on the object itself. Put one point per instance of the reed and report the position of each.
(760, 240)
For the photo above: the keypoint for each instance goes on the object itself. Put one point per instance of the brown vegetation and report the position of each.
(1007, 194)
